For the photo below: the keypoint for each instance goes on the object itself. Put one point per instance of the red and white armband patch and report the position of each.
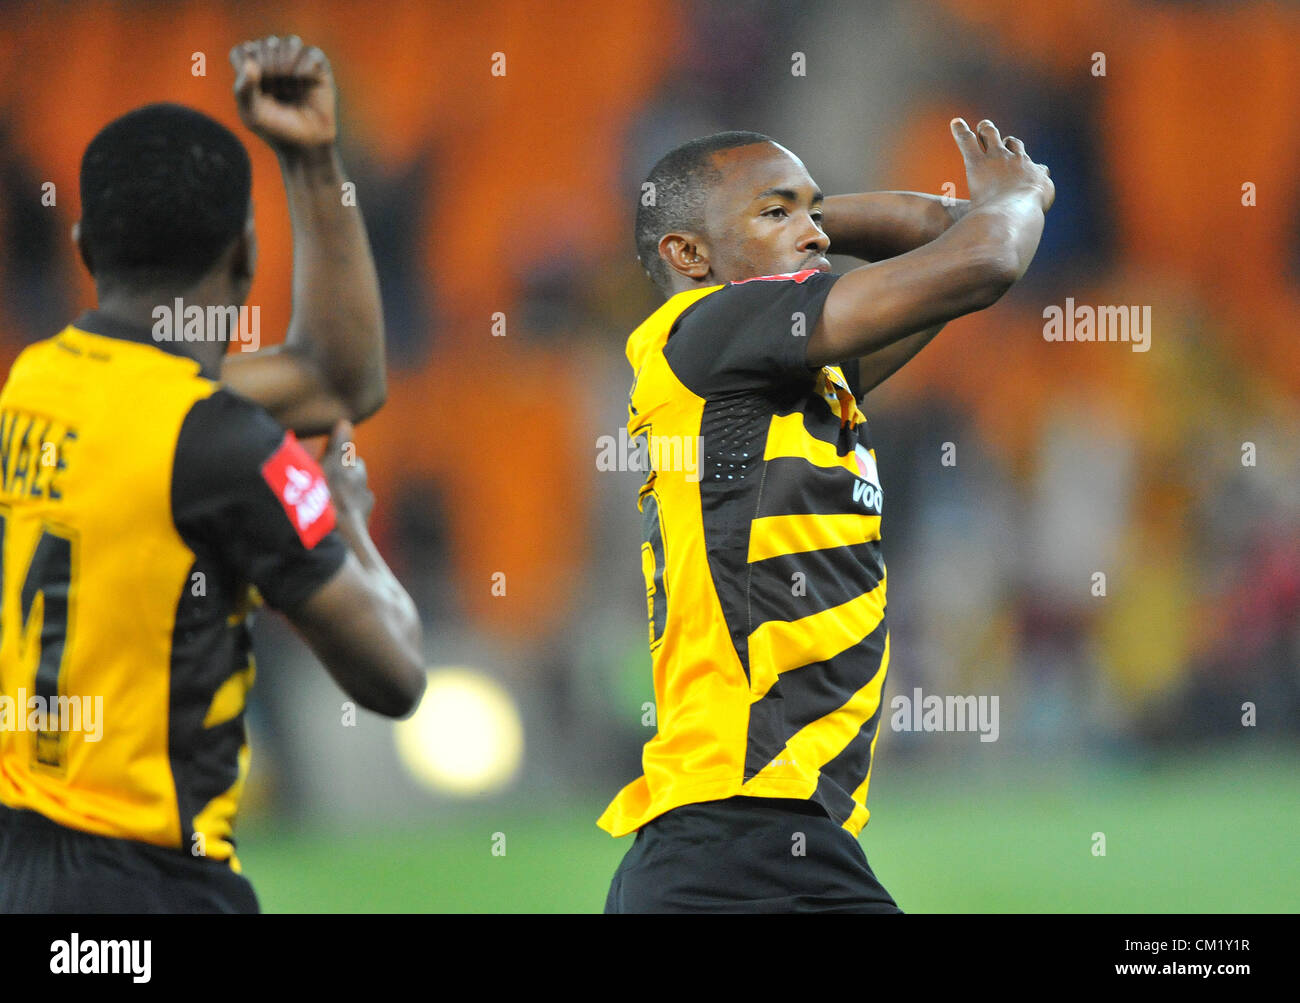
(299, 483)
(802, 276)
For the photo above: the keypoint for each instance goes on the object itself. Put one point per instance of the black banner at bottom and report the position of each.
(1226, 953)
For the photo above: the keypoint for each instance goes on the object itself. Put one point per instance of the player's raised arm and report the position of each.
(874, 226)
(362, 624)
(967, 268)
(331, 364)
(246, 489)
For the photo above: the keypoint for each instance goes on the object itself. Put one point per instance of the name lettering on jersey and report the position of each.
(299, 483)
(33, 455)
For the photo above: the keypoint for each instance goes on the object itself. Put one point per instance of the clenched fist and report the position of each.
(285, 92)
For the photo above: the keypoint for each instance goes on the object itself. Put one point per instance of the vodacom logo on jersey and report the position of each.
(299, 483)
(866, 491)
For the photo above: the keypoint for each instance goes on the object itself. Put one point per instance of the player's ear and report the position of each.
(81, 247)
(686, 254)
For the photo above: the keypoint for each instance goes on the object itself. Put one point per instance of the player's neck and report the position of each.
(139, 307)
(140, 310)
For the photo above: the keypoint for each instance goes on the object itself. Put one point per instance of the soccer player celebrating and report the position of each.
(764, 576)
(150, 495)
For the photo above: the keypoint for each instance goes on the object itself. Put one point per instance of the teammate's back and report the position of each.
(114, 617)
(152, 493)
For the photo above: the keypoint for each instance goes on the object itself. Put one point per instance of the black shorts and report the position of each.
(746, 854)
(48, 868)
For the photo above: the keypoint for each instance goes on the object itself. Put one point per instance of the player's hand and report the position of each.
(997, 167)
(285, 92)
(345, 472)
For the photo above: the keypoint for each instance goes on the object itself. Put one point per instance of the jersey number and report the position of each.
(49, 580)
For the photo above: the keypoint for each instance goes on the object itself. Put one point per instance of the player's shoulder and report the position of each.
(226, 435)
(225, 414)
(240, 480)
(741, 299)
(40, 357)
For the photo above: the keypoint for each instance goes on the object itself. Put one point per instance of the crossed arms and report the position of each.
(930, 261)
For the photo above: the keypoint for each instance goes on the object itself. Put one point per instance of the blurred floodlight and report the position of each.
(467, 736)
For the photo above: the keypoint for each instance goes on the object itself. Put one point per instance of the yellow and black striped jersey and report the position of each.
(143, 510)
(761, 553)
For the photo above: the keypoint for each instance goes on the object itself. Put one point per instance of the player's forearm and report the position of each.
(874, 226)
(1019, 227)
(966, 269)
(348, 626)
(1009, 227)
(401, 615)
(338, 321)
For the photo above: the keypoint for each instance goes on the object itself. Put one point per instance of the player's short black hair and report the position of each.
(681, 182)
(164, 191)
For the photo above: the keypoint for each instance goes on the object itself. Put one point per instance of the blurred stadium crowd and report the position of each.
(1174, 472)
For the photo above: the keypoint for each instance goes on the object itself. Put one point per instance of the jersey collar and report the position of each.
(97, 322)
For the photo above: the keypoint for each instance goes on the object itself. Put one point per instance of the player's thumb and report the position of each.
(340, 438)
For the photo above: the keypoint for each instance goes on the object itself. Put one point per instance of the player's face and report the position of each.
(765, 216)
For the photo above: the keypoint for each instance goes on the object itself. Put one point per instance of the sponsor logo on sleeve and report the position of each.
(299, 484)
